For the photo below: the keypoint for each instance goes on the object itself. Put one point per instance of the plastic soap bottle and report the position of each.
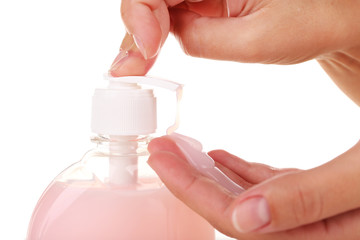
(112, 194)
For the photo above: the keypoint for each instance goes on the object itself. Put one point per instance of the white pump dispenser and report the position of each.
(123, 111)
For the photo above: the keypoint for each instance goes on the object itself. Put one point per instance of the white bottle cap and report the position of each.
(124, 108)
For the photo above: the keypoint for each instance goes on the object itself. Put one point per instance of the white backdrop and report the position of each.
(53, 54)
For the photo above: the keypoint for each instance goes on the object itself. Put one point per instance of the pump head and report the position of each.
(124, 108)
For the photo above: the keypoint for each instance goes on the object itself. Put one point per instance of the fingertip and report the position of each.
(227, 158)
(131, 63)
(157, 144)
(164, 143)
(149, 46)
(155, 160)
(218, 153)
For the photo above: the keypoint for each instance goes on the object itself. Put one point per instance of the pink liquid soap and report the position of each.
(85, 211)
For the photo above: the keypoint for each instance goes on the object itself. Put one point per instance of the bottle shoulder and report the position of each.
(99, 168)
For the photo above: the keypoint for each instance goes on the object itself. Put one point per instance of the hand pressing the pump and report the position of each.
(320, 203)
(262, 31)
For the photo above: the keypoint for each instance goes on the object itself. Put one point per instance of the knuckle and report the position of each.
(191, 40)
(190, 184)
(187, 45)
(308, 205)
(125, 13)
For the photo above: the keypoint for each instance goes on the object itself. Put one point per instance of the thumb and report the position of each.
(295, 199)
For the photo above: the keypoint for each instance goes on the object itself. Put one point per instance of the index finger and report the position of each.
(148, 21)
(200, 193)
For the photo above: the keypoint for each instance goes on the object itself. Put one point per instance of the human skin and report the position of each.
(268, 31)
(320, 203)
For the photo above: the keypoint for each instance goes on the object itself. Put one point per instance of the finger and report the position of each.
(148, 25)
(343, 226)
(299, 198)
(233, 176)
(198, 192)
(148, 22)
(129, 60)
(165, 143)
(252, 172)
(206, 198)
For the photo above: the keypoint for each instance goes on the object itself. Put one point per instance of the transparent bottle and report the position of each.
(112, 193)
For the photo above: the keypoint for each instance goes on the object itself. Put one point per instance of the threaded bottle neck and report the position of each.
(122, 145)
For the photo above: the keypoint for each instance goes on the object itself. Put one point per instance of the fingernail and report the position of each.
(227, 8)
(119, 60)
(251, 214)
(140, 46)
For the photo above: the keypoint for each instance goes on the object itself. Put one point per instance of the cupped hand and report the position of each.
(320, 203)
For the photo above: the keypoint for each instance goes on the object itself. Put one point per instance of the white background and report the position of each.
(53, 54)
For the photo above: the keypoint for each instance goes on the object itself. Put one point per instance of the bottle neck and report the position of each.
(123, 154)
(122, 145)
